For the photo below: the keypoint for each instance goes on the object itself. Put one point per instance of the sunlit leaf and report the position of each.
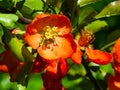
(110, 10)
(34, 4)
(8, 20)
(20, 87)
(75, 71)
(86, 2)
(5, 83)
(35, 78)
(30, 6)
(107, 69)
(17, 48)
(97, 25)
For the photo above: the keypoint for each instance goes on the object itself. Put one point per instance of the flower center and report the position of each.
(48, 35)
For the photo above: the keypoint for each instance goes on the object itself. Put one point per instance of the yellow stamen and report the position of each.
(48, 35)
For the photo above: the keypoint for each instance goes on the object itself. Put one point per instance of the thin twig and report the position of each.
(97, 86)
(108, 45)
(49, 6)
(25, 20)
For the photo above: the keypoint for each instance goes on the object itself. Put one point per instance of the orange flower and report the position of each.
(49, 35)
(77, 56)
(98, 56)
(86, 37)
(57, 68)
(55, 71)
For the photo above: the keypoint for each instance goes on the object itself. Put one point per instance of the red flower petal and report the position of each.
(10, 64)
(70, 38)
(114, 82)
(58, 68)
(62, 68)
(77, 56)
(116, 51)
(62, 49)
(43, 20)
(52, 68)
(8, 59)
(98, 56)
(39, 65)
(51, 83)
(117, 68)
(32, 40)
(3, 68)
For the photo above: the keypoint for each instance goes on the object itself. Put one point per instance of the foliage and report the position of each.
(101, 17)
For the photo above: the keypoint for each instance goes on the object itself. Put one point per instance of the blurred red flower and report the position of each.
(9, 64)
(116, 51)
(51, 83)
(114, 82)
(116, 56)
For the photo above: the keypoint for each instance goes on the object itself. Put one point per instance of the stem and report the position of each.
(25, 20)
(108, 45)
(89, 74)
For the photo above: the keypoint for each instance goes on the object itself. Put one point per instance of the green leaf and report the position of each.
(34, 4)
(15, 2)
(68, 8)
(77, 84)
(86, 2)
(75, 71)
(86, 13)
(30, 6)
(35, 82)
(100, 38)
(107, 68)
(1, 43)
(110, 10)
(5, 83)
(5, 5)
(8, 20)
(97, 25)
(20, 87)
(22, 54)
(17, 48)
(113, 36)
